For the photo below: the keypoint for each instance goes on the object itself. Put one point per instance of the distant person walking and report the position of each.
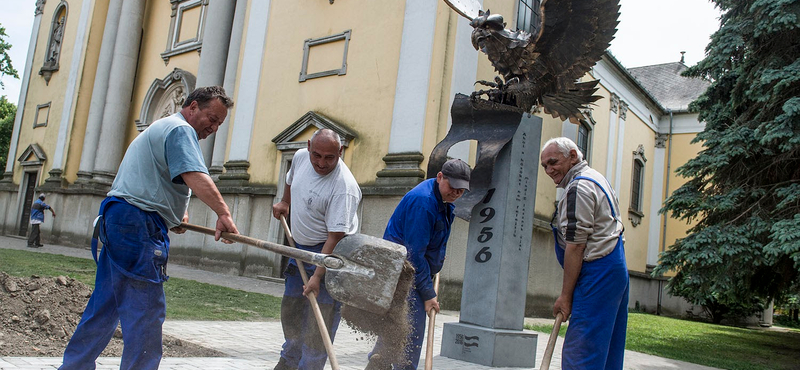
(37, 218)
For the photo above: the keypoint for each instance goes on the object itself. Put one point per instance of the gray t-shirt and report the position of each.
(321, 204)
(150, 174)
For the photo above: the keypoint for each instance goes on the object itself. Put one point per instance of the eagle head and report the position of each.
(483, 25)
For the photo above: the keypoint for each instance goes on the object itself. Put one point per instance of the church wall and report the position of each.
(361, 99)
(636, 133)
(682, 152)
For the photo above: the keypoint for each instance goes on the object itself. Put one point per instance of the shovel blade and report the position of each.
(372, 270)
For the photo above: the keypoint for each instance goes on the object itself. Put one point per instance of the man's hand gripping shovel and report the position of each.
(362, 272)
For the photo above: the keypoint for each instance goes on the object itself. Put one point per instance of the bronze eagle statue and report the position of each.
(540, 68)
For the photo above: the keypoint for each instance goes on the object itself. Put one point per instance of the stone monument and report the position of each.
(500, 209)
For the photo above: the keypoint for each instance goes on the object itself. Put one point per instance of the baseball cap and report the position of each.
(41, 196)
(457, 172)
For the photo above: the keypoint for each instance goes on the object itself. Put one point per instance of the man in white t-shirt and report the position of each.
(324, 197)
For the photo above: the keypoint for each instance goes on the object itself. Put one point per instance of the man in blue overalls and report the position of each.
(590, 247)
(421, 223)
(149, 197)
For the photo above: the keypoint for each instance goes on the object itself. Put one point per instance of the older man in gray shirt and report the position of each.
(149, 197)
(590, 247)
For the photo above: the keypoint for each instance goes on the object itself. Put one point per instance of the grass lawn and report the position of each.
(708, 344)
(186, 299)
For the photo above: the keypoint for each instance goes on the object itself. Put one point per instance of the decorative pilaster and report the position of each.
(211, 71)
(23, 94)
(39, 7)
(231, 67)
(661, 141)
(115, 112)
(657, 196)
(99, 92)
(235, 174)
(614, 102)
(55, 181)
(612, 137)
(623, 112)
(257, 25)
(411, 92)
(402, 169)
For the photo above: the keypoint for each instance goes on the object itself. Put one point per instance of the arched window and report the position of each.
(635, 213)
(54, 43)
(584, 139)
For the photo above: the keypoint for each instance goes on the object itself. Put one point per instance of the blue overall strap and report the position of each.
(608, 198)
(99, 223)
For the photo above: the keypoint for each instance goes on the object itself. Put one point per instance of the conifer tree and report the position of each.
(7, 113)
(5, 60)
(743, 193)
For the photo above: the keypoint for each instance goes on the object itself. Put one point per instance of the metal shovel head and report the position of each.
(372, 270)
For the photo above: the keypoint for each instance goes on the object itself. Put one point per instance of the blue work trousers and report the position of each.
(303, 347)
(595, 337)
(128, 290)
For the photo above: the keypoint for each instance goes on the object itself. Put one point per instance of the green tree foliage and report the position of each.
(743, 193)
(7, 112)
(5, 60)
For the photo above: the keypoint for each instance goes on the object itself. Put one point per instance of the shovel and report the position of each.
(312, 299)
(362, 272)
(551, 343)
(431, 329)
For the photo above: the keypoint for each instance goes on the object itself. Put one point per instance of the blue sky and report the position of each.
(650, 32)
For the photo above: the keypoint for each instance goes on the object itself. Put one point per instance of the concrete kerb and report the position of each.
(257, 345)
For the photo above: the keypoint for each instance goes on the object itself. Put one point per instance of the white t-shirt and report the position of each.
(321, 204)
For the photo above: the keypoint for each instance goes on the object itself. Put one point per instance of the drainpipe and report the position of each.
(666, 187)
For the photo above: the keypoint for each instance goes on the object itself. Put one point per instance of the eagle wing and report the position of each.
(571, 37)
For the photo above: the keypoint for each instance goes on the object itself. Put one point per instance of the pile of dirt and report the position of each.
(392, 327)
(38, 316)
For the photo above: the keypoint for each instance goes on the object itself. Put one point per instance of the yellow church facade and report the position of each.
(383, 74)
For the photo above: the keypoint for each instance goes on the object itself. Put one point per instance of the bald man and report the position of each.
(323, 196)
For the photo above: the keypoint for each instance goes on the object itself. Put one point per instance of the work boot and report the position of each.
(282, 365)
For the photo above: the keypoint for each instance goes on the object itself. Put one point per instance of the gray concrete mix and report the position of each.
(257, 345)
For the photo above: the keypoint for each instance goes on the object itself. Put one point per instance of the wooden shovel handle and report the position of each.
(323, 330)
(431, 323)
(551, 343)
(319, 259)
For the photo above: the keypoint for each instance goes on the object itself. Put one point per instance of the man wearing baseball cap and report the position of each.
(421, 222)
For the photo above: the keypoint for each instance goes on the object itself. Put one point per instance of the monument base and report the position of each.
(489, 347)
